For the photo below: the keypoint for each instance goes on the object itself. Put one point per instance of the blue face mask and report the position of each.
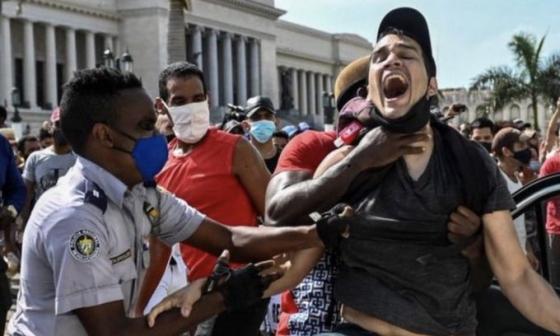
(149, 154)
(262, 130)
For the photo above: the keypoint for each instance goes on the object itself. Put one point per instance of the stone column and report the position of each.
(295, 88)
(117, 45)
(255, 69)
(6, 60)
(228, 68)
(197, 46)
(241, 71)
(71, 56)
(29, 79)
(319, 95)
(90, 49)
(329, 84)
(312, 98)
(51, 85)
(213, 68)
(303, 93)
(108, 44)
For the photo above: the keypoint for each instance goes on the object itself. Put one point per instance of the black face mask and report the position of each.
(413, 121)
(524, 156)
(486, 145)
(59, 138)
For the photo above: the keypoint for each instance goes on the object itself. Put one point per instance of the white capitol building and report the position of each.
(243, 46)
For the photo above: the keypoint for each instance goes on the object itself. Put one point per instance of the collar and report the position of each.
(114, 188)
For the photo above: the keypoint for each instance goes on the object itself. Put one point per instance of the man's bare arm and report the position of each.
(252, 244)
(290, 196)
(520, 283)
(250, 169)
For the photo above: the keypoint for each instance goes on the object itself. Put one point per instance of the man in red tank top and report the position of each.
(220, 174)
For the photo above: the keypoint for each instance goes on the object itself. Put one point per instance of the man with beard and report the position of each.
(43, 168)
(299, 187)
(399, 275)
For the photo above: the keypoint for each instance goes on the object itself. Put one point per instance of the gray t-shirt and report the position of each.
(399, 221)
(45, 167)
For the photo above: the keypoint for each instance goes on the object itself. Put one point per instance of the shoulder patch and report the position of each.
(84, 246)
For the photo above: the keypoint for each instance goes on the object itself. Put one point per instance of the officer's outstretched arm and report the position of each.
(252, 243)
(110, 318)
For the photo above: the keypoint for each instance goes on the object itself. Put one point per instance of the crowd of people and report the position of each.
(125, 211)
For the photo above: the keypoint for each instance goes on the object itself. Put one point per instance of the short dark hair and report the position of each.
(3, 113)
(21, 142)
(91, 97)
(483, 122)
(428, 61)
(178, 70)
(280, 134)
(44, 133)
(506, 137)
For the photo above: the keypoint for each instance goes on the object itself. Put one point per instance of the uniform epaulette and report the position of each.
(94, 195)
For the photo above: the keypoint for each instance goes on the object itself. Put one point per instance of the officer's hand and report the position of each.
(184, 299)
(379, 147)
(463, 224)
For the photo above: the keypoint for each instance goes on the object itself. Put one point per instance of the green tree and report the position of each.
(532, 78)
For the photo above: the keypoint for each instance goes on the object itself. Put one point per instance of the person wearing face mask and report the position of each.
(482, 131)
(262, 125)
(400, 274)
(219, 174)
(511, 150)
(83, 258)
(43, 168)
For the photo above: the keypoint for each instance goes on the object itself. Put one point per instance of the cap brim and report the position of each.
(254, 110)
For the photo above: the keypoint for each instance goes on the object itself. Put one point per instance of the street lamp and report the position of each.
(126, 62)
(328, 109)
(123, 63)
(108, 58)
(16, 120)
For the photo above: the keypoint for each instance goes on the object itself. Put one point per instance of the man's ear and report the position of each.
(101, 134)
(246, 126)
(432, 87)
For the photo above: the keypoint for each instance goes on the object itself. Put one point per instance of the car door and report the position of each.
(537, 202)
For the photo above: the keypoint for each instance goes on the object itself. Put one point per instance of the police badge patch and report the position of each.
(84, 245)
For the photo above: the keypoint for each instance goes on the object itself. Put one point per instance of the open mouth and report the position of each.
(394, 86)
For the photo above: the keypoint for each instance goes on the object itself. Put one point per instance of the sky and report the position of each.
(468, 36)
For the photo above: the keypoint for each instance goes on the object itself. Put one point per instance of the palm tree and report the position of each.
(533, 78)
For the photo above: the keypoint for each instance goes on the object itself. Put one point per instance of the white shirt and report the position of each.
(519, 222)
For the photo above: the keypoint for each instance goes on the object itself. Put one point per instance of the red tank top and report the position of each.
(204, 179)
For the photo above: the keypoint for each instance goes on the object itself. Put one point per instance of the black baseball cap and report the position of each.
(256, 103)
(412, 24)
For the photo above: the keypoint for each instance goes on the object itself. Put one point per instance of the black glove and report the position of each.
(331, 226)
(240, 288)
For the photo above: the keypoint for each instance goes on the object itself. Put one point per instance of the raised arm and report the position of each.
(520, 283)
(290, 197)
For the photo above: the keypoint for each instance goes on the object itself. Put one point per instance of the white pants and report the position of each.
(173, 279)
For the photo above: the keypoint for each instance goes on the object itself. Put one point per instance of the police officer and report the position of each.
(83, 256)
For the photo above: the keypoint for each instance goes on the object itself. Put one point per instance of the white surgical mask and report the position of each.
(190, 121)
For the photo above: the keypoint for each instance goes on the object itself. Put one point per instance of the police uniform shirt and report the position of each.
(83, 247)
